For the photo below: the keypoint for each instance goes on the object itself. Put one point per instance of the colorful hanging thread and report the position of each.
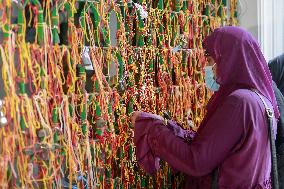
(69, 91)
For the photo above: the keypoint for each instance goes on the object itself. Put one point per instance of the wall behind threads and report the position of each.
(72, 72)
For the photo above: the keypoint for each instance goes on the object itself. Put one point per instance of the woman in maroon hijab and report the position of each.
(233, 137)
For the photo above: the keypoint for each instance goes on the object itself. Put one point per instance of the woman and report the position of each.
(233, 137)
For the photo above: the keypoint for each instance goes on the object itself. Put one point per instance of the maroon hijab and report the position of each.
(240, 65)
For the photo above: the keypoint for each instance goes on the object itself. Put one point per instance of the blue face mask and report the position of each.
(210, 80)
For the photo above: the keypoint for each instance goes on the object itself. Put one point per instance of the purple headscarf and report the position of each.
(240, 64)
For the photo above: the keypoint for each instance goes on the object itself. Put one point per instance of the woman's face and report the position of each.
(211, 62)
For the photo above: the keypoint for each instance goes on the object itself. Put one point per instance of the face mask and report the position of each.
(210, 80)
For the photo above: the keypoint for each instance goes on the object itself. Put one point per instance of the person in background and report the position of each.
(233, 137)
(276, 67)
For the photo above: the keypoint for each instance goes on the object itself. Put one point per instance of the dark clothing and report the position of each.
(276, 67)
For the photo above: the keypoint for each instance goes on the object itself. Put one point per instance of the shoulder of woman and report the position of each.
(242, 96)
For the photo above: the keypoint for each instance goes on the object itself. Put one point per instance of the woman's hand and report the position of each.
(136, 114)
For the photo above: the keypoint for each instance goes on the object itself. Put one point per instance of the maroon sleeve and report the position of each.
(207, 150)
